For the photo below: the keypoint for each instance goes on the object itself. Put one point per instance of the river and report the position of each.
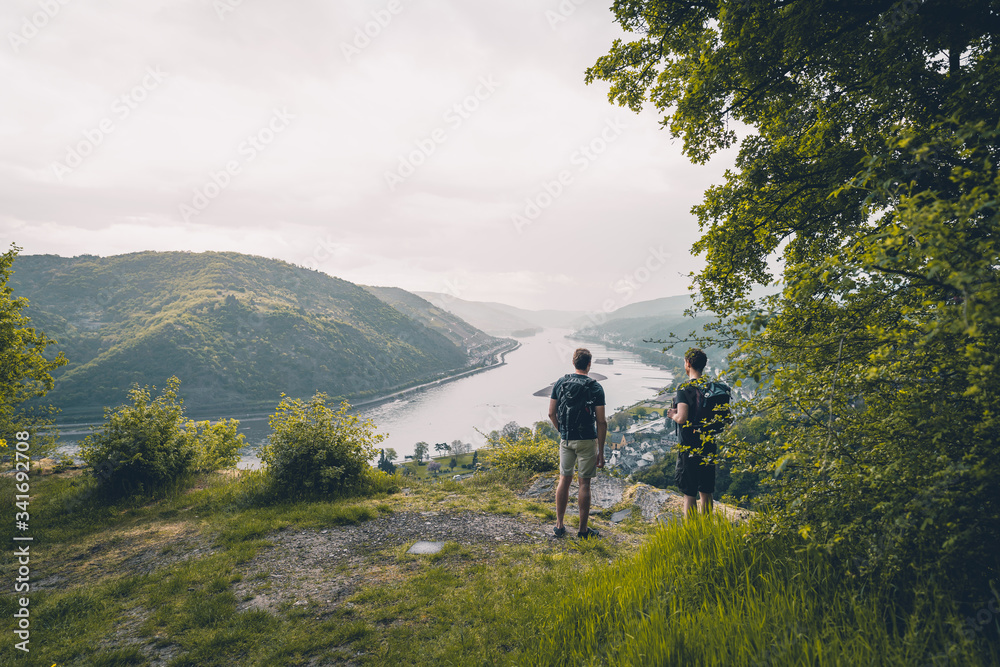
(475, 404)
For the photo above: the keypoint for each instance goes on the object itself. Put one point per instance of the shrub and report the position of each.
(525, 452)
(148, 444)
(142, 446)
(314, 450)
(217, 446)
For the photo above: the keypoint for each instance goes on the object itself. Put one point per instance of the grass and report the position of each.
(184, 607)
(695, 594)
(421, 472)
(701, 593)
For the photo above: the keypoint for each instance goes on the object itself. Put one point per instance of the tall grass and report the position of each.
(704, 593)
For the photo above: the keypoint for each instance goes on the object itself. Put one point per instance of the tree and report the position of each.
(871, 168)
(544, 429)
(385, 463)
(25, 372)
(390, 454)
(441, 447)
(458, 447)
(618, 421)
(420, 450)
(527, 452)
(454, 463)
(510, 431)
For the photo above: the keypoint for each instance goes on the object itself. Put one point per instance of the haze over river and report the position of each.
(488, 400)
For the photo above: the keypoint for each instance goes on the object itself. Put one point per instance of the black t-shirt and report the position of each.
(690, 440)
(592, 397)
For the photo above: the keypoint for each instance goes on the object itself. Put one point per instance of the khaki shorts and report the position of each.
(585, 451)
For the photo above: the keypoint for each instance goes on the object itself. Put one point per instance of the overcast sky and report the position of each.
(446, 145)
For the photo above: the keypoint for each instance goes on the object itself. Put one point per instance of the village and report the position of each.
(638, 435)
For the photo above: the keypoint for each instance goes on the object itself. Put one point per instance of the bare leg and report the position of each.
(690, 504)
(583, 500)
(706, 502)
(562, 498)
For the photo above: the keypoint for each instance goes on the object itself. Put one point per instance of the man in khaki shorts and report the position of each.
(576, 409)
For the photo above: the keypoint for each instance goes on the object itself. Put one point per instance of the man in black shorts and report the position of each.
(576, 409)
(695, 473)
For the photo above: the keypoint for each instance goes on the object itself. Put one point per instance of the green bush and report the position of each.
(148, 444)
(525, 452)
(217, 446)
(316, 451)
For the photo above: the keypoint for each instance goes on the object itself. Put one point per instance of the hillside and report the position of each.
(442, 572)
(475, 343)
(237, 330)
(668, 307)
(632, 333)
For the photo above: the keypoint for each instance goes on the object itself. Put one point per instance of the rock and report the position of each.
(606, 490)
(542, 488)
(650, 500)
(424, 548)
(621, 515)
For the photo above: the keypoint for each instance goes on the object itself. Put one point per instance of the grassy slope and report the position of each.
(692, 594)
(238, 330)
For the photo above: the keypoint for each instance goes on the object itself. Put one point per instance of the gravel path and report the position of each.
(327, 566)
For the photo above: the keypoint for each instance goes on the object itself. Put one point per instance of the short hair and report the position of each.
(696, 358)
(581, 359)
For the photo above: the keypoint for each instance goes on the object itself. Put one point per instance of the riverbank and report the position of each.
(74, 429)
(501, 360)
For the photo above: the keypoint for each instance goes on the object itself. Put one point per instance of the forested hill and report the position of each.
(237, 330)
(477, 344)
(655, 320)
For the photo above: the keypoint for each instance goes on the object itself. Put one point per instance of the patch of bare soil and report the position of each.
(327, 566)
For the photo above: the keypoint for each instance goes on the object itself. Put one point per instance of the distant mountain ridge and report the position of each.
(668, 306)
(499, 319)
(238, 330)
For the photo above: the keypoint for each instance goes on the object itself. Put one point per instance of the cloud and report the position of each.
(418, 79)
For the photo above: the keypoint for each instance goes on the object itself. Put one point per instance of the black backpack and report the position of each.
(711, 410)
(575, 404)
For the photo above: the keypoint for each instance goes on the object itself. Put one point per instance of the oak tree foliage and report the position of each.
(867, 174)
